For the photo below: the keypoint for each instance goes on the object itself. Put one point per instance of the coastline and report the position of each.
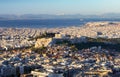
(90, 29)
(19, 37)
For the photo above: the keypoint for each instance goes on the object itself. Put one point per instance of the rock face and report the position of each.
(43, 42)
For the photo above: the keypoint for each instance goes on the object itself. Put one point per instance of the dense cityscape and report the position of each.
(61, 52)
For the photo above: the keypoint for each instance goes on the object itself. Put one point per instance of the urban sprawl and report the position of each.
(85, 51)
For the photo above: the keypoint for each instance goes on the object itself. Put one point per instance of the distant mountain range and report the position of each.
(46, 16)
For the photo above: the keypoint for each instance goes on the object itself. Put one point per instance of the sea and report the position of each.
(50, 23)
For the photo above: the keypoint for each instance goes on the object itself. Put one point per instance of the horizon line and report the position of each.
(59, 14)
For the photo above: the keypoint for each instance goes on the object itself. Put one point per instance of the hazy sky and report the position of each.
(59, 6)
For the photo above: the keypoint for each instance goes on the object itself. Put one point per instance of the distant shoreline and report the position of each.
(50, 23)
(91, 29)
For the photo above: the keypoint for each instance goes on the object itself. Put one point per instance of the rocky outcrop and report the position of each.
(43, 42)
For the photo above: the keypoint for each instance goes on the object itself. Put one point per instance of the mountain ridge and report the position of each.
(65, 16)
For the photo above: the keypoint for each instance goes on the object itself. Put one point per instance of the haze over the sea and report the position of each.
(56, 13)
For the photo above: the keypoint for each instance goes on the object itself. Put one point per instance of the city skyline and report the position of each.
(60, 7)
